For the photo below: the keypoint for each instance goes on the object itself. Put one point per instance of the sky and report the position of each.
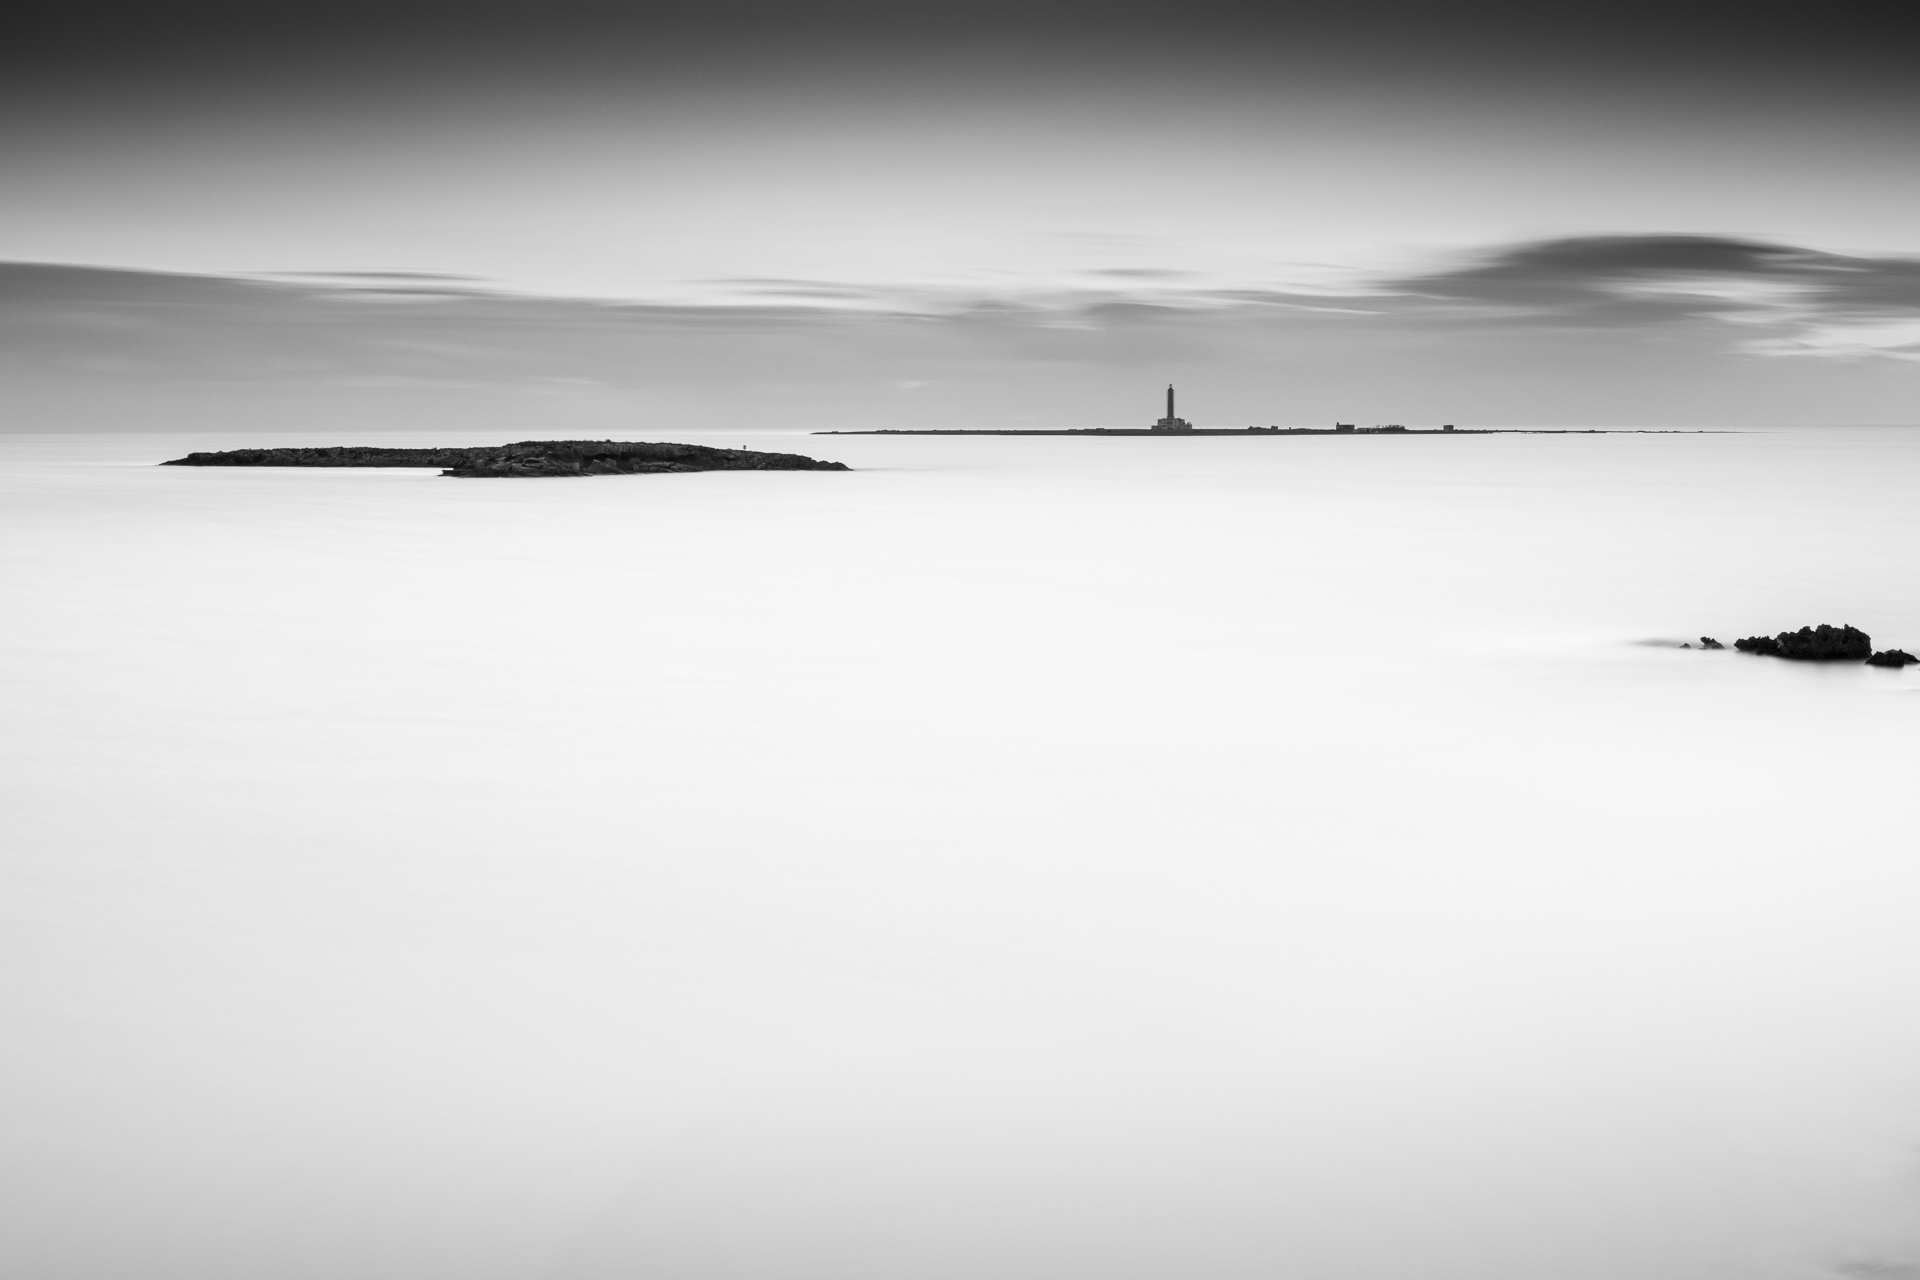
(712, 215)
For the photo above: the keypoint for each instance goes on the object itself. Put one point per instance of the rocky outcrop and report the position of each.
(337, 456)
(1812, 644)
(614, 458)
(527, 458)
(1708, 642)
(1892, 658)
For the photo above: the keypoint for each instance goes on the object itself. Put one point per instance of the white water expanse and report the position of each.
(1015, 859)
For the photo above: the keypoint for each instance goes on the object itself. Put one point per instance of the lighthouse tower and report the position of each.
(1171, 423)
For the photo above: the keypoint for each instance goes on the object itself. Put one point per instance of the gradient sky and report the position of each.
(911, 165)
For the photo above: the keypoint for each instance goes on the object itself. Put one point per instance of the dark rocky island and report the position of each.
(526, 458)
(1812, 644)
(1823, 643)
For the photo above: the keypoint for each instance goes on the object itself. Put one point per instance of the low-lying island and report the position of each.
(525, 458)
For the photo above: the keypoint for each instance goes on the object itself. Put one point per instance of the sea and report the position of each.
(1016, 858)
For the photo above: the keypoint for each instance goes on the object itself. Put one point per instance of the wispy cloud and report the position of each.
(1760, 298)
(1786, 300)
(1683, 313)
(402, 276)
(1812, 303)
(1880, 1269)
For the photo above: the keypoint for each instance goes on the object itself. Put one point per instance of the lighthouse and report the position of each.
(1171, 423)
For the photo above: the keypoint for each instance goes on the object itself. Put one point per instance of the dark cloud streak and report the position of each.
(1626, 279)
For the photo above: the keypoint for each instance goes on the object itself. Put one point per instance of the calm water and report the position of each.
(1019, 858)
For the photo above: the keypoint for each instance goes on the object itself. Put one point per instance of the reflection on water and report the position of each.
(1020, 857)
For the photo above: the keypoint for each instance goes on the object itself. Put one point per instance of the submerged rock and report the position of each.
(1892, 658)
(526, 458)
(1812, 644)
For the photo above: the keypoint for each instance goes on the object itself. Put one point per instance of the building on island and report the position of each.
(1171, 423)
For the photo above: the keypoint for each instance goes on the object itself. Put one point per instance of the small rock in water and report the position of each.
(1891, 658)
(1708, 642)
(1812, 644)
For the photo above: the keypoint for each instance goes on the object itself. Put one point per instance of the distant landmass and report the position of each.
(526, 458)
(1172, 424)
(1341, 430)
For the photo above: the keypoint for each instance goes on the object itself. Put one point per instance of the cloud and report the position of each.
(368, 275)
(1878, 1269)
(1815, 303)
(1586, 330)
(1750, 296)
(1140, 273)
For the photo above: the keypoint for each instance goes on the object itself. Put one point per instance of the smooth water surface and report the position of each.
(1028, 858)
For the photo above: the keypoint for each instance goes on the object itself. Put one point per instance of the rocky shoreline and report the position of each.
(525, 458)
(1824, 643)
